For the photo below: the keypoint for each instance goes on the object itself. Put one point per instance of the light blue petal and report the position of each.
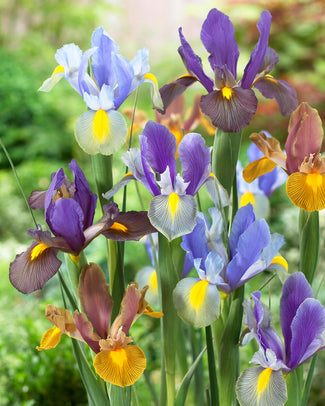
(118, 186)
(243, 218)
(214, 264)
(173, 215)
(124, 76)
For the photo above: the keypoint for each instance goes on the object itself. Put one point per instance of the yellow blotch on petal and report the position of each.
(173, 200)
(37, 251)
(258, 168)
(58, 69)
(119, 227)
(74, 258)
(278, 259)
(151, 77)
(307, 191)
(226, 92)
(50, 339)
(246, 198)
(263, 381)
(197, 294)
(101, 125)
(122, 366)
(153, 282)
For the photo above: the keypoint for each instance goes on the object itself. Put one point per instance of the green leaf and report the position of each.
(309, 243)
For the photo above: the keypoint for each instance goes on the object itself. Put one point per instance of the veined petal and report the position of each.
(129, 307)
(281, 91)
(230, 111)
(173, 215)
(197, 301)
(31, 269)
(259, 51)
(218, 37)
(101, 132)
(257, 386)
(86, 331)
(307, 191)
(243, 219)
(156, 99)
(95, 299)
(195, 158)
(258, 168)
(50, 339)
(122, 366)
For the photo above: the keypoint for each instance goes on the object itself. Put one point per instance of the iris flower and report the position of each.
(303, 161)
(230, 103)
(303, 323)
(172, 211)
(102, 129)
(69, 211)
(258, 191)
(116, 361)
(252, 250)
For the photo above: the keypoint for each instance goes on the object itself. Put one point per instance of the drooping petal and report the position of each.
(197, 301)
(122, 366)
(101, 132)
(281, 91)
(230, 111)
(257, 386)
(295, 290)
(156, 99)
(161, 148)
(307, 191)
(171, 91)
(129, 226)
(36, 199)
(305, 136)
(173, 215)
(31, 269)
(259, 51)
(307, 325)
(119, 185)
(195, 158)
(67, 222)
(193, 62)
(270, 148)
(95, 299)
(243, 219)
(50, 339)
(83, 194)
(218, 37)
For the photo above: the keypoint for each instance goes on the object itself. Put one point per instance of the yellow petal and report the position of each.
(50, 339)
(258, 168)
(122, 366)
(149, 311)
(307, 191)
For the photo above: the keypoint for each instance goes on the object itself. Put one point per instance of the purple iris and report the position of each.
(230, 103)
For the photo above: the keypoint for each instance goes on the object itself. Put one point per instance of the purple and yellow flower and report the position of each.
(303, 324)
(102, 129)
(252, 250)
(116, 361)
(69, 212)
(230, 103)
(303, 161)
(172, 211)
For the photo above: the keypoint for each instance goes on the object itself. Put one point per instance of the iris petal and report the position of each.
(258, 168)
(173, 216)
(50, 339)
(101, 134)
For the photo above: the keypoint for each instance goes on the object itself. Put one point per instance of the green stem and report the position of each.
(308, 381)
(212, 368)
(309, 243)
(293, 389)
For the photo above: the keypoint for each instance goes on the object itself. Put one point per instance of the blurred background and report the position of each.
(37, 130)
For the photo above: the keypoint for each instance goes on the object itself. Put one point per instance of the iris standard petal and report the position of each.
(86, 331)
(307, 325)
(150, 179)
(230, 112)
(121, 366)
(218, 37)
(171, 91)
(51, 195)
(101, 132)
(67, 222)
(271, 58)
(197, 302)
(173, 215)
(305, 136)
(129, 307)
(295, 290)
(95, 299)
(124, 76)
(257, 386)
(193, 62)
(195, 158)
(83, 194)
(281, 91)
(160, 148)
(307, 191)
(243, 219)
(31, 269)
(259, 51)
